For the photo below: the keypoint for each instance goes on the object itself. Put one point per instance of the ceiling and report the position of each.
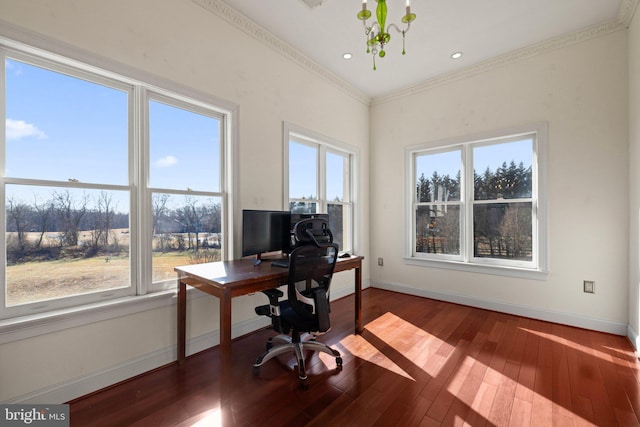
(481, 30)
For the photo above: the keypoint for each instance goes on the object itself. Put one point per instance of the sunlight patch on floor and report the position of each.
(361, 348)
(211, 418)
(413, 343)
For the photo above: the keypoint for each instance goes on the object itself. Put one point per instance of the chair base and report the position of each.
(287, 344)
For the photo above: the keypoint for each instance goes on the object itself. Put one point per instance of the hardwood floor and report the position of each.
(419, 362)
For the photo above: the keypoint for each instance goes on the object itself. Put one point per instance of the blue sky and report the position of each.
(492, 156)
(303, 170)
(61, 128)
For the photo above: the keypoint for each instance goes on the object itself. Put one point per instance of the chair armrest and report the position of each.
(274, 295)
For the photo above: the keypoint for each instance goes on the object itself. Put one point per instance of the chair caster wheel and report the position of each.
(339, 361)
(256, 371)
(304, 385)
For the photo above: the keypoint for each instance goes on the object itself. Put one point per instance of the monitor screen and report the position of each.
(264, 231)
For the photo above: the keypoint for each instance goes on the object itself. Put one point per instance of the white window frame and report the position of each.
(45, 316)
(325, 145)
(537, 268)
(197, 107)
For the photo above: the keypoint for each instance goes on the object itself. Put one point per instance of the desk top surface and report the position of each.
(244, 270)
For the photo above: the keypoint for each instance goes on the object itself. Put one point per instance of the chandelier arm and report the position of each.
(373, 26)
(395, 27)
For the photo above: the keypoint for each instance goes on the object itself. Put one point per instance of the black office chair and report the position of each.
(305, 313)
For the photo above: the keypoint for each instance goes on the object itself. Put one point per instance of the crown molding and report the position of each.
(234, 17)
(261, 34)
(627, 10)
(592, 32)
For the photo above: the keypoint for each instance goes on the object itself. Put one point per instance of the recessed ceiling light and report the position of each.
(347, 55)
(312, 3)
(456, 55)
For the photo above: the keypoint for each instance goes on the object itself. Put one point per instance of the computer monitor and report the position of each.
(264, 231)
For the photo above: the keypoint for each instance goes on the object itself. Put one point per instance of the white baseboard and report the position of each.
(80, 386)
(633, 337)
(503, 307)
(77, 387)
(71, 389)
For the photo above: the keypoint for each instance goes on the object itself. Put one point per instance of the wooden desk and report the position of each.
(228, 279)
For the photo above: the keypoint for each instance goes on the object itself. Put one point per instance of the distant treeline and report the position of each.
(508, 181)
(84, 226)
(500, 230)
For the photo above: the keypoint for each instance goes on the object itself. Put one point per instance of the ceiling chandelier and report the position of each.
(377, 33)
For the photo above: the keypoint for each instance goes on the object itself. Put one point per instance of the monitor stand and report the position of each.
(280, 259)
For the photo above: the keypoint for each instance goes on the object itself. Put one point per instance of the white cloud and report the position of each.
(14, 67)
(18, 129)
(166, 162)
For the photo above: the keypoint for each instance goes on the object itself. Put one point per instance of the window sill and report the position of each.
(19, 328)
(523, 273)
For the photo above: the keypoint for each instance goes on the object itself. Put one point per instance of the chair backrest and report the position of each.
(310, 272)
(314, 231)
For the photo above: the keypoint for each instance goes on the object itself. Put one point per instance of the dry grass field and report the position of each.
(38, 281)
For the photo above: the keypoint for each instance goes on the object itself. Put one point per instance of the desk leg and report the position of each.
(358, 300)
(225, 345)
(182, 321)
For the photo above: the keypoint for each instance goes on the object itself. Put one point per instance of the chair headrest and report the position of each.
(313, 231)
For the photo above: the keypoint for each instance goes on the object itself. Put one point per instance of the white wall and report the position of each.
(181, 42)
(581, 92)
(634, 181)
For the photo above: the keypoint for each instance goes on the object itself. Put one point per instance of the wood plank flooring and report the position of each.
(419, 362)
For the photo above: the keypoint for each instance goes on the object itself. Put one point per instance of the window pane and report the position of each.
(338, 223)
(186, 230)
(503, 171)
(63, 242)
(335, 177)
(303, 171)
(503, 230)
(184, 149)
(438, 229)
(303, 207)
(78, 129)
(438, 177)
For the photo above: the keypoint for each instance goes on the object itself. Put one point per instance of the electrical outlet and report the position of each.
(380, 262)
(589, 286)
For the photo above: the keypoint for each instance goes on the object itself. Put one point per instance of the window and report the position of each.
(479, 202)
(321, 180)
(107, 184)
(185, 183)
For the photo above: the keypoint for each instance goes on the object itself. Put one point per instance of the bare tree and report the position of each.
(105, 204)
(190, 216)
(159, 207)
(102, 218)
(45, 214)
(18, 213)
(71, 213)
(515, 229)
